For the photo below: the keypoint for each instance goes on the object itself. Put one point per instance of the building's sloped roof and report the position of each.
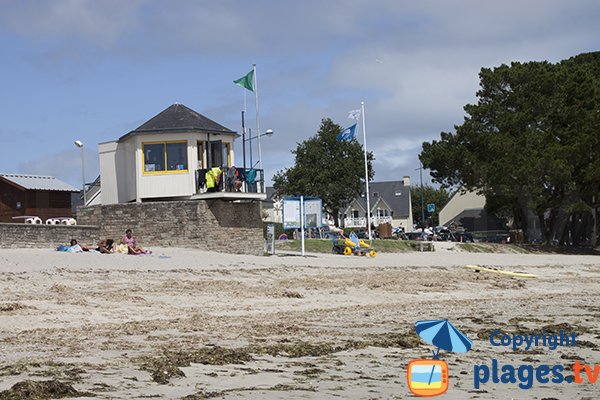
(394, 193)
(38, 182)
(178, 117)
(270, 191)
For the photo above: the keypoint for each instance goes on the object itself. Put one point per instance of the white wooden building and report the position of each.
(167, 158)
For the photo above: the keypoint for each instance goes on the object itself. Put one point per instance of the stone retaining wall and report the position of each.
(203, 224)
(48, 236)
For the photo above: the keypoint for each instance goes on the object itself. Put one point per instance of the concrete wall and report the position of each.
(203, 224)
(47, 236)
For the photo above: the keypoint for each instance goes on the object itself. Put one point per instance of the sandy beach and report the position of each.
(192, 324)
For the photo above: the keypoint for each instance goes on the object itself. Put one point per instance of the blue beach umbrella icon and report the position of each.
(443, 335)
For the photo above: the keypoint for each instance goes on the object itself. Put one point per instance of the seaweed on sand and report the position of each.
(40, 390)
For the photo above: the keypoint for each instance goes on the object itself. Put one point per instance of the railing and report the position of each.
(249, 180)
(362, 221)
(355, 222)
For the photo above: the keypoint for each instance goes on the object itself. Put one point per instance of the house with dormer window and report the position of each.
(390, 202)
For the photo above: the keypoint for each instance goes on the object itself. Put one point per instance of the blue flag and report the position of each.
(346, 135)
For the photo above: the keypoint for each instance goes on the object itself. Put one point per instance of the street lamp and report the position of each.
(422, 200)
(268, 132)
(79, 144)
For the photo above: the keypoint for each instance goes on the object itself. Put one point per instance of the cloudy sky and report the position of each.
(93, 70)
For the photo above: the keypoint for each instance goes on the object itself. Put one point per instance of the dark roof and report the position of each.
(178, 118)
(270, 192)
(38, 182)
(394, 193)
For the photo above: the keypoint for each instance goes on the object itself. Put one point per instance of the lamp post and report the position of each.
(79, 144)
(269, 132)
(422, 200)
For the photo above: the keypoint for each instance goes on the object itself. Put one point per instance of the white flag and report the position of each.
(354, 114)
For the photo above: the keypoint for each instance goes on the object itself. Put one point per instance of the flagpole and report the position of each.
(244, 130)
(257, 119)
(362, 108)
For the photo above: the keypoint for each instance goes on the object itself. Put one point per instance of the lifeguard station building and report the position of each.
(167, 157)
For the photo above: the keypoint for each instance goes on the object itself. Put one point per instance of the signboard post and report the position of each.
(271, 237)
(302, 212)
(302, 223)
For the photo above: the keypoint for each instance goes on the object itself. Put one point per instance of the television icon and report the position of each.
(427, 378)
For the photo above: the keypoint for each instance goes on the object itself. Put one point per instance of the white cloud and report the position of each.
(101, 22)
(316, 59)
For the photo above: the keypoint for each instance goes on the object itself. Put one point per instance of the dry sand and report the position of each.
(210, 325)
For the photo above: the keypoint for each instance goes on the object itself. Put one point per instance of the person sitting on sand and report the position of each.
(73, 247)
(106, 246)
(132, 246)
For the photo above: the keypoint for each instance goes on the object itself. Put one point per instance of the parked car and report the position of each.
(417, 236)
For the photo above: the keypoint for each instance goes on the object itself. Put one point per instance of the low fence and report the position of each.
(49, 236)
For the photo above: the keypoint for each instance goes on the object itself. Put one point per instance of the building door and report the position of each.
(215, 154)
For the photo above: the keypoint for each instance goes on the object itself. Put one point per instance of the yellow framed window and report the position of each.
(161, 157)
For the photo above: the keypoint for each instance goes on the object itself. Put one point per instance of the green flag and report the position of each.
(246, 81)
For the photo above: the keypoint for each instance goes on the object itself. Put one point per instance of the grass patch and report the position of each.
(310, 245)
(325, 245)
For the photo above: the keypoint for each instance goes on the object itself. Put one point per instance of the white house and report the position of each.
(390, 202)
(167, 157)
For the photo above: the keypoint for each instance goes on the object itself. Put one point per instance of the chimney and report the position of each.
(406, 180)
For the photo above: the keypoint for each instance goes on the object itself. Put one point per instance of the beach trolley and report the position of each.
(352, 245)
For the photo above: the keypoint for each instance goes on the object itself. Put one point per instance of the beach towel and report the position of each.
(251, 176)
(74, 249)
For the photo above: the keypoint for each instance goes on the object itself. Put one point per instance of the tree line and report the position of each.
(531, 146)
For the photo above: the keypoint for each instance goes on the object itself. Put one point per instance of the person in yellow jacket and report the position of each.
(213, 178)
